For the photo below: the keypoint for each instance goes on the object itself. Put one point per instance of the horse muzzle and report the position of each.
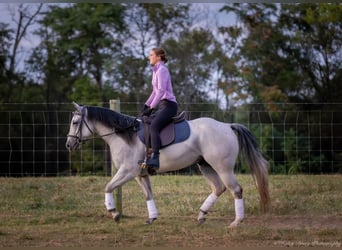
(73, 143)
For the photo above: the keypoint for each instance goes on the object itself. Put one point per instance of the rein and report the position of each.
(79, 131)
(78, 135)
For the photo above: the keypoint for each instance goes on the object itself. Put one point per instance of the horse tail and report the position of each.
(257, 163)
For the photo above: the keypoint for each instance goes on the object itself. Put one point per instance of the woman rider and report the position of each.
(162, 100)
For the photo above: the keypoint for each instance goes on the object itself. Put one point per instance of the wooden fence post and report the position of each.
(115, 105)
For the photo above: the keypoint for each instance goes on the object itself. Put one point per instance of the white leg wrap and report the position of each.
(207, 204)
(152, 209)
(109, 201)
(239, 209)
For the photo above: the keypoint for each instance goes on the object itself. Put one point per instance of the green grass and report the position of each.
(70, 211)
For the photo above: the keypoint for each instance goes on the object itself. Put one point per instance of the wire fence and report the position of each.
(33, 136)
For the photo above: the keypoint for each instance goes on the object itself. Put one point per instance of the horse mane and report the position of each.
(124, 125)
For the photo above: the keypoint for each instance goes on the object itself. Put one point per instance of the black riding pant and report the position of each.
(163, 116)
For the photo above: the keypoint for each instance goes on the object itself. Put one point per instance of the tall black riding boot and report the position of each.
(153, 161)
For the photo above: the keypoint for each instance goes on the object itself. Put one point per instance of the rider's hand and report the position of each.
(146, 107)
(147, 112)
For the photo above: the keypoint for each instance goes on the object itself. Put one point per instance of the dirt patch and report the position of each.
(295, 222)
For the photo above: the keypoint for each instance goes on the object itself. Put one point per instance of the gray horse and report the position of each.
(213, 145)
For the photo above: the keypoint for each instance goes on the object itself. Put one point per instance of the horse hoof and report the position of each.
(116, 216)
(150, 221)
(235, 223)
(201, 221)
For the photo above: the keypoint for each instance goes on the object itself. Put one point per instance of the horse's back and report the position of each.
(213, 133)
(207, 123)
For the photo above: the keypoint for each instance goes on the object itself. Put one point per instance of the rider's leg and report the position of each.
(163, 117)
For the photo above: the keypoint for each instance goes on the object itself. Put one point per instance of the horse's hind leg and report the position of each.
(217, 188)
(230, 181)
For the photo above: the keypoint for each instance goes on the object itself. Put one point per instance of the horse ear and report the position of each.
(77, 107)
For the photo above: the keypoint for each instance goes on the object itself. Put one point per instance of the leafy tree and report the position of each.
(25, 20)
(315, 35)
(227, 56)
(149, 26)
(5, 43)
(276, 53)
(77, 41)
(192, 56)
(259, 62)
(166, 19)
(289, 52)
(12, 80)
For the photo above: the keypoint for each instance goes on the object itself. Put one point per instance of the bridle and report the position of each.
(78, 136)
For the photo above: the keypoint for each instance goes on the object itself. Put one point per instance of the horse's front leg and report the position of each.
(120, 178)
(145, 184)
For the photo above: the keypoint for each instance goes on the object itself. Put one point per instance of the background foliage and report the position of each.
(271, 54)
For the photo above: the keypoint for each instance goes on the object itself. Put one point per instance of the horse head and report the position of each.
(79, 130)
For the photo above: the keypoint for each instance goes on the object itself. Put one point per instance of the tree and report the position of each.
(192, 57)
(23, 17)
(292, 53)
(315, 32)
(5, 43)
(149, 26)
(166, 19)
(261, 66)
(25, 20)
(77, 41)
(227, 57)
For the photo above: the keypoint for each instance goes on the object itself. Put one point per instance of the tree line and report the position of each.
(92, 52)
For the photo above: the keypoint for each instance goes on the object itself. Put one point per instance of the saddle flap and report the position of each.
(167, 135)
(172, 133)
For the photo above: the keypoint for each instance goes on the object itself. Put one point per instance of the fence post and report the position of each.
(115, 105)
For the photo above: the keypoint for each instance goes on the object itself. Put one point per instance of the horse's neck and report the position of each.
(104, 132)
(115, 142)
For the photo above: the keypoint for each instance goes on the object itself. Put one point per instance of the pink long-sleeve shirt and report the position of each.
(162, 86)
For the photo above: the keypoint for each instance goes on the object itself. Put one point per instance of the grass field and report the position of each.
(306, 210)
